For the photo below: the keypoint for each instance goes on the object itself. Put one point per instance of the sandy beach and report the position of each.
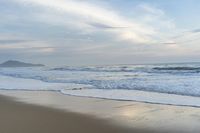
(50, 112)
(23, 118)
(19, 117)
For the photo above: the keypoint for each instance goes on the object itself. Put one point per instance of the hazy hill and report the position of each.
(13, 63)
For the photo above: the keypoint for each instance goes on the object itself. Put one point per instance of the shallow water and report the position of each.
(179, 79)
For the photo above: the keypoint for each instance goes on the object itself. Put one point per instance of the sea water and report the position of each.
(156, 83)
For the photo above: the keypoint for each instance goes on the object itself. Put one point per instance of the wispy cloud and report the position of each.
(195, 31)
(66, 28)
(100, 17)
(13, 41)
(16, 43)
(104, 26)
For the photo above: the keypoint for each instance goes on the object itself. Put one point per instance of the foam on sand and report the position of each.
(135, 95)
(10, 83)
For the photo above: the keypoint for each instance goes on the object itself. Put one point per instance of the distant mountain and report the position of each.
(13, 63)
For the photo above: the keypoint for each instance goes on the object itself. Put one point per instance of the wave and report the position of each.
(133, 69)
(178, 68)
(166, 84)
(88, 91)
(98, 69)
(163, 79)
(35, 85)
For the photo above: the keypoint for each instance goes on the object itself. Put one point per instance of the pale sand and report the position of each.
(91, 115)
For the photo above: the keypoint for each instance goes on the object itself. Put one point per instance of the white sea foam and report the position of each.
(11, 83)
(134, 95)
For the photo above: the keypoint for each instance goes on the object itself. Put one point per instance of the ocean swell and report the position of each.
(169, 79)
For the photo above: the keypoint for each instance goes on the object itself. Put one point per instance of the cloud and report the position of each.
(169, 43)
(186, 36)
(195, 31)
(100, 17)
(76, 28)
(10, 42)
(43, 49)
(151, 10)
(104, 26)
(13, 41)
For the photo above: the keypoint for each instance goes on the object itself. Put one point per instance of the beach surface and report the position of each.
(51, 112)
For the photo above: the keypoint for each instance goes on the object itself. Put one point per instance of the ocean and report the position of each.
(155, 83)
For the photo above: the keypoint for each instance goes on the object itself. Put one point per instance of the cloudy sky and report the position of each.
(82, 32)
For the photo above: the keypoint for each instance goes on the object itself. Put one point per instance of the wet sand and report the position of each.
(16, 117)
(52, 112)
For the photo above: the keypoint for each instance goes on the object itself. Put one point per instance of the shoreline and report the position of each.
(137, 96)
(125, 115)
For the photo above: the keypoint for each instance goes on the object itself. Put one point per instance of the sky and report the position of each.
(98, 32)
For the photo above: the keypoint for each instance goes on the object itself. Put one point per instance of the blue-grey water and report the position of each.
(180, 79)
